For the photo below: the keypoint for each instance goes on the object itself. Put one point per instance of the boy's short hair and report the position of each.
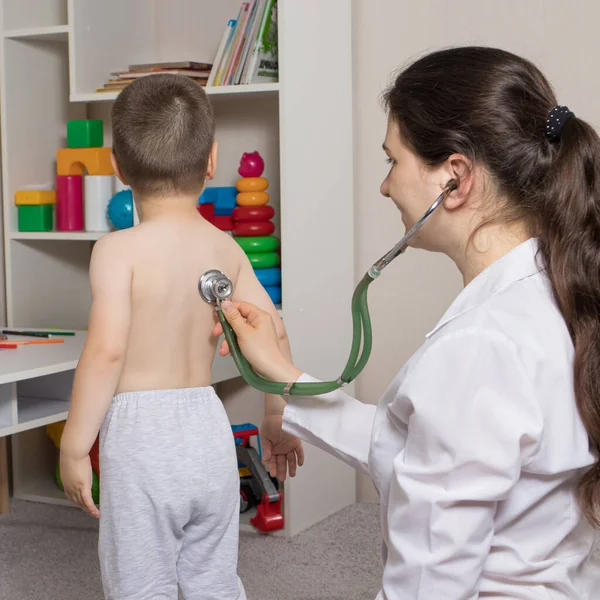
(163, 132)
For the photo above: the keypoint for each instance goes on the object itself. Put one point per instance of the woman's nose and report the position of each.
(384, 188)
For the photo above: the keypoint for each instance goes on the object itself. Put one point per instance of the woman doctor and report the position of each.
(484, 447)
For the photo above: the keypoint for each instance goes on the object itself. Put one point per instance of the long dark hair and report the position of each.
(492, 107)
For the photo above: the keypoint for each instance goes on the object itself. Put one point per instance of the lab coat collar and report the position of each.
(519, 263)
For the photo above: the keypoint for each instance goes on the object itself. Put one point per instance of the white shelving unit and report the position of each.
(54, 54)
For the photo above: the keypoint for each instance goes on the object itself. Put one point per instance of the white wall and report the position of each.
(561, 38)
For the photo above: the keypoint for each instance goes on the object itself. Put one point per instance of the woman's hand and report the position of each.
(258, 341)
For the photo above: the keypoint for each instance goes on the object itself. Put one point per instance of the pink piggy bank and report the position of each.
(251, 165)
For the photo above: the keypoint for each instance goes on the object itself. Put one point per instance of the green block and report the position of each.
(85, 134)
(35, 217)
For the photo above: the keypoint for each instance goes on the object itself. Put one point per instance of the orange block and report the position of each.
(74, 161)
(252, 198)
(252, 184)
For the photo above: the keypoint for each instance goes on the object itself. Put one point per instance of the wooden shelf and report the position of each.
(39, 412)
(43, 489)
(45, 34)
(68, 48)
(225, 90)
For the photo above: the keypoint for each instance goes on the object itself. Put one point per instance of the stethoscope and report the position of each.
(215, 287)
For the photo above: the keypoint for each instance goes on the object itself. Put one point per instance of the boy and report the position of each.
(169, 479)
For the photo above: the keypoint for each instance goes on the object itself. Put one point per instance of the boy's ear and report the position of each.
(118, 172)
(211, 169)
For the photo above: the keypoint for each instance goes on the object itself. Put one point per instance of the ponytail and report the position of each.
(569, 242)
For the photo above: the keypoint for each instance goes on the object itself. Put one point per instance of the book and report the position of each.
(249, 36)
(221, 51)
(237, 41)
(136, 74)
(264, 66)
(228, 50)
(184, 64)
(258, 16)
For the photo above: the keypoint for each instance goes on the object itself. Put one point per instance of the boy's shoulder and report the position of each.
(114, 245)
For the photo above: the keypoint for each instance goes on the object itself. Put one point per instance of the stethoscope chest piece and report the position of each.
(215, 287)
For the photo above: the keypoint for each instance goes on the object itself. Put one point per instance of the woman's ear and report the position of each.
(460, 169)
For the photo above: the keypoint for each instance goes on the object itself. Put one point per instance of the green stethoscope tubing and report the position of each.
(362, 334)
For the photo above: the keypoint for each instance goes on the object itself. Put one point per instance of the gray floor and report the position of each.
(49, 553)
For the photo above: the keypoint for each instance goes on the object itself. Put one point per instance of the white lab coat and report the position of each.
(475, 449)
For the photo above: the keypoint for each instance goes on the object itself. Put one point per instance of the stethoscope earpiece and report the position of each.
(452, 185)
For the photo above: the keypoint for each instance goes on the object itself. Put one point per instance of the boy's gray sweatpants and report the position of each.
(169, 498)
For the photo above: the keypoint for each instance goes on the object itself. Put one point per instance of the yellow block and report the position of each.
(35, 197)
(74, 161)
(55, 431)
(252, 198)
(252, 184)
(245, 472)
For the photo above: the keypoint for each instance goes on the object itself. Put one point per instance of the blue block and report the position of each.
(208, 196)
(225, 201)
(269, 277)
(274, 292)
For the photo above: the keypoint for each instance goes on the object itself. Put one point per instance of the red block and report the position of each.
(208, 212)
(69, 203)
(253, 229)
(253, 214)
(224, 223)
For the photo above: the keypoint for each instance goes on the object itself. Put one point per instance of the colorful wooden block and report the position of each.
(207, 197)
(97, 194)
(75, 161)
(224, 223)
(225, 201)
(35, 217)
(35, 197)
(69, 203)
(85, 133)
(208, 212)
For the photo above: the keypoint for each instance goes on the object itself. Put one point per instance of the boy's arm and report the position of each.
(279, 448)
(99, 368)
(249, 289)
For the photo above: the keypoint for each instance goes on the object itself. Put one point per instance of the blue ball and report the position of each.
(120, 210)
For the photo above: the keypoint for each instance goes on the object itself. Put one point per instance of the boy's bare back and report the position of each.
(169, 343)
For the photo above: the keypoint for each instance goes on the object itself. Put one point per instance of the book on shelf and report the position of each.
(198, 71)
(248, 51)
(184, 64)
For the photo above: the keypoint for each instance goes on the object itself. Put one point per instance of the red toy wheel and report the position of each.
(253, 214)
(253, 229)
